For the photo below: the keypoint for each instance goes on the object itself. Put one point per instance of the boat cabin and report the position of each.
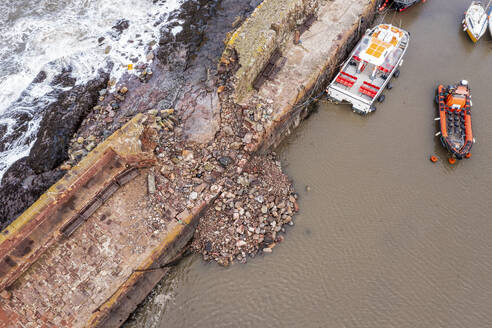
(457, 99)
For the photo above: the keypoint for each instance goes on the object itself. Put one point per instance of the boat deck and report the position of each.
(455, 123)
(364, 76)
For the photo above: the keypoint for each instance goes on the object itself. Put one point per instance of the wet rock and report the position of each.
(40, 77)
(121, 25)
(225, 161)
(64, 79)
(20, 187)
(60, 122)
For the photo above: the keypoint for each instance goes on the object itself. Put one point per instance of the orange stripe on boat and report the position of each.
(468, 128)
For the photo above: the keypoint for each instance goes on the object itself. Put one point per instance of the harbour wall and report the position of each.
(327, 30)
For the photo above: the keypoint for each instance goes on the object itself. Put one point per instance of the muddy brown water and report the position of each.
(384, 238)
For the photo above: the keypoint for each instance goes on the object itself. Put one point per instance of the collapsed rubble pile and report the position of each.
(249, 215)
(254, 198)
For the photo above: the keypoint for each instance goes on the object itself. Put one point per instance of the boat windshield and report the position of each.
(362, 45)
(392, 59)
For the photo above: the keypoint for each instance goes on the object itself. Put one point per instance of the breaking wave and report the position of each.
(79, 37)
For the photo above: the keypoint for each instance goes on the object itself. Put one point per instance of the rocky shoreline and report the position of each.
(92, 112)
(29, 177)
(178, 90)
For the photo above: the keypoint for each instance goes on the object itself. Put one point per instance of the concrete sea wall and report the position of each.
(269, 27)
(307, 67)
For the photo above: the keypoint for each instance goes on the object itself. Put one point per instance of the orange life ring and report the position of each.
(433, 159)
(468, 155)
(452, 160)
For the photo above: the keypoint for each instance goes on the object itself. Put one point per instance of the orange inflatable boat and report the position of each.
(454, 102)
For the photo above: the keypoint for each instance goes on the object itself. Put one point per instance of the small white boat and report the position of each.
(475, 21)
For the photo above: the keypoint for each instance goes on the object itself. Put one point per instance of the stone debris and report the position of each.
(237, 225)
(151, 183)
(6, 295)
(254, 200)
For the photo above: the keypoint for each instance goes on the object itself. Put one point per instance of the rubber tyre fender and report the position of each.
(381, 98)
(397, 73)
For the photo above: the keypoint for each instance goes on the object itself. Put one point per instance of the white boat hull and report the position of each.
(475, 21)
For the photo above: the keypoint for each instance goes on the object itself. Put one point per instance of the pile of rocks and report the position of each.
(249, 215)
(254, 200)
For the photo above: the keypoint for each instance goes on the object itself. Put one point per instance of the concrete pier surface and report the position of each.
(94, 245)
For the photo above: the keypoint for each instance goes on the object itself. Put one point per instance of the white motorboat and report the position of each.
(475, 21)
(370, 67)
